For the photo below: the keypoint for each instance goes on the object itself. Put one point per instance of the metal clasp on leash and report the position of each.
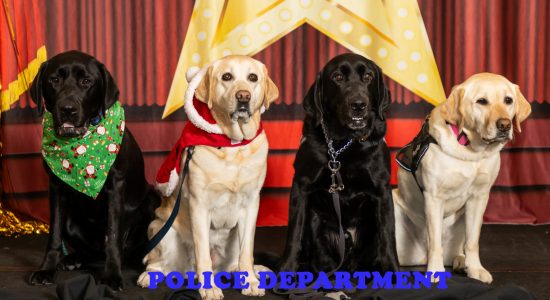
(337, 185)
(333, 164)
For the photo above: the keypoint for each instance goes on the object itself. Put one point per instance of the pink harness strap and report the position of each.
(460, 136)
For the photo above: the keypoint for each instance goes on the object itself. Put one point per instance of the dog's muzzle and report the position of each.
(499, 138)
(67, 127)
(69, 130)
(357, 123)
(242, 109)
(358, 113)
(358, 120)
(503, 135)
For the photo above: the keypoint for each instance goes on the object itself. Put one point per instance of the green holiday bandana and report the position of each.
(84, 162)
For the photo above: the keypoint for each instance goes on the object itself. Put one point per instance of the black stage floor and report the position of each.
(518, 254)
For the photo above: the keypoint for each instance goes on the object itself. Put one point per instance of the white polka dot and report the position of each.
(201, 36)
(401, 65)
(239, 28)
(346, 27)
(409, 34)
(265, 27)
(196, 58)
(285, 15)
(227, 52)
(422, 78)
(325, 14)
(245, 40)
(382, 52)
(415, 56)
(207, 13)
(365, 40)
(305, 3)
(402, 12)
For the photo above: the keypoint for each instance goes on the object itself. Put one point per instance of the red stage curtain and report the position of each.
(22, 51)
(140, 42)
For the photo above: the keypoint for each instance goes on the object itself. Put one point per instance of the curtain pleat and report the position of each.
(140, 41)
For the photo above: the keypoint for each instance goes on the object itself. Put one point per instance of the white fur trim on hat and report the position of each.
(190, 110)
(191, 72)
(167, 188)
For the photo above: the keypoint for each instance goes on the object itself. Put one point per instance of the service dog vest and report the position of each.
(84, 162)
(409, 157)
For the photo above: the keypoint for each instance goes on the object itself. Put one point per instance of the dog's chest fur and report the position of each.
(228, 179)
(362, 182)
(457, 180)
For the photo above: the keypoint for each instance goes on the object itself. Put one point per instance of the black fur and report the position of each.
(111, 229)
(366, 202)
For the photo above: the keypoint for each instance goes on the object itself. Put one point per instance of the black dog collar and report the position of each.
(95, 120)
(364, 141)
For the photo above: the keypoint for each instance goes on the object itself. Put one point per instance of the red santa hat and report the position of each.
(200, 130)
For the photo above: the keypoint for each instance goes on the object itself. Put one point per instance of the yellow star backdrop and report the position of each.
(390, 32)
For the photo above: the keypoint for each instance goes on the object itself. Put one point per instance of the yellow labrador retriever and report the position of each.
(439, 208)
(214, 230)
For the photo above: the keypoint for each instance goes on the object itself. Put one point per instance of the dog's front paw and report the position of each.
(389, 263)
(459, 263)
(113, 280)
(289, 266)
(69, 263)
(42, 277)
(260, 268)
(338, 295)
(144, 280)
(214, 293)
(479, 273)
(253, 289)
(436, 267)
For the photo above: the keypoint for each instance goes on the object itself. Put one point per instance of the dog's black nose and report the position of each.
(243, 96)
(504, 125)
(68, 110)
(358, 105)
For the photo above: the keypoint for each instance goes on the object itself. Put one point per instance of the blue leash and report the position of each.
(155, 240)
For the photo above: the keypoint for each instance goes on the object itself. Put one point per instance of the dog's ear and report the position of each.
(205, 90)
(110, 89)
(450, 109)
(312, 101)
(384, 96)
(271, 92)
(36, 88)
(523, 109)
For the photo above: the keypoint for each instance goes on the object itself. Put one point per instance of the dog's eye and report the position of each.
(367, 77)
(53, 80)
(338, 77)
(253, 77)
(85, 81)
(508, 100)
(227, 76)
(482, 101)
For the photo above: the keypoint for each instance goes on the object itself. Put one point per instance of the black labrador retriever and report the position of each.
(345, 106)
(111, 229)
